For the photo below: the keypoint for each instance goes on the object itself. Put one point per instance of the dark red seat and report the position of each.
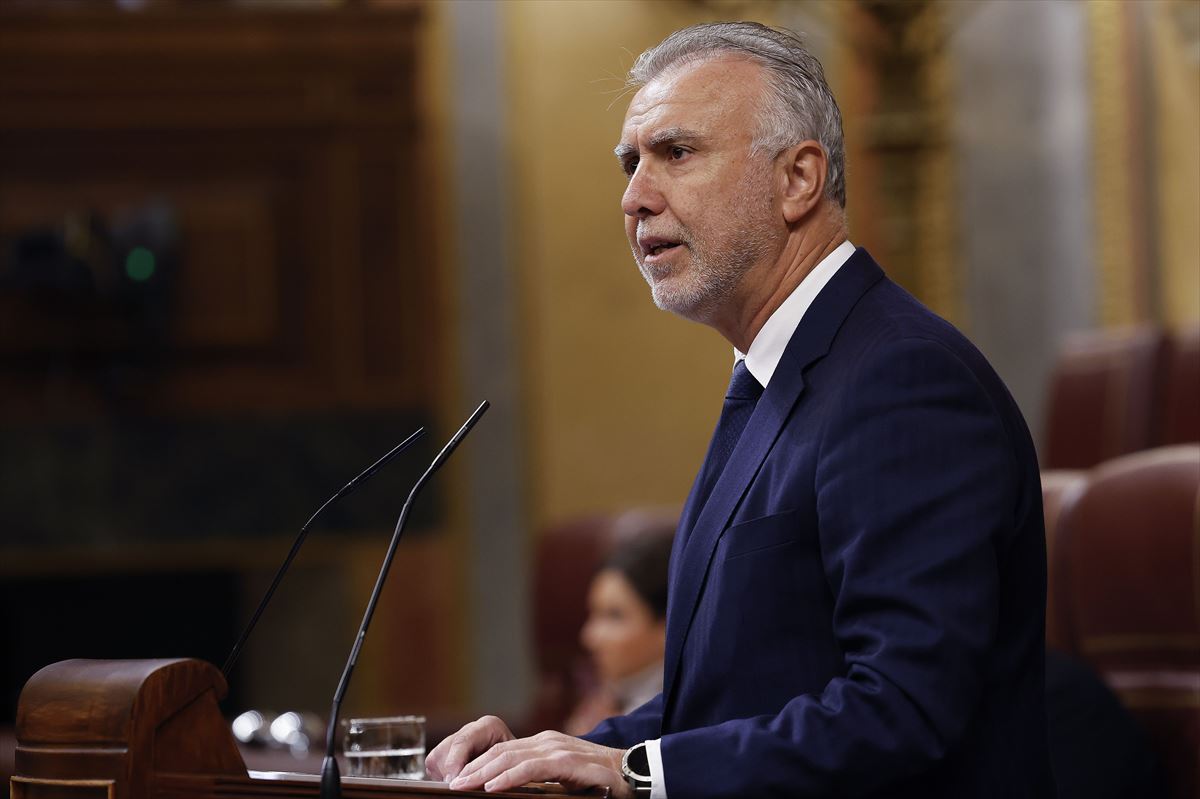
(1180, 415)
(1103, 397)
(1060, 488)
(1126, 586)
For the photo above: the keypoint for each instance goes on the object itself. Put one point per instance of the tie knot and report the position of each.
(743, 385)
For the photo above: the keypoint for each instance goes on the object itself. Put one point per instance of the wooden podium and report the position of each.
(152, 729)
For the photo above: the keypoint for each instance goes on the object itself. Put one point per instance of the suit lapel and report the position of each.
(811, 341)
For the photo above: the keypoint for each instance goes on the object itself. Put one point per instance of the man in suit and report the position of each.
(858, 579)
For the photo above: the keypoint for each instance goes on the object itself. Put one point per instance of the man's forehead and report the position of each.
(692, 95)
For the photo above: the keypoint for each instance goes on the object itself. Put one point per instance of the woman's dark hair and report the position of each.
(642, 561)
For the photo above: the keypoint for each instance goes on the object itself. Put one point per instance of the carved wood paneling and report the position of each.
(283, 139)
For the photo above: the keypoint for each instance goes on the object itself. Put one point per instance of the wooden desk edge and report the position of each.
(304, 786)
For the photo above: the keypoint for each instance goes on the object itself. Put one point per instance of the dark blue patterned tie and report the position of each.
(740, 399)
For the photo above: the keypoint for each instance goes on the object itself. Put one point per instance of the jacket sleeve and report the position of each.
(640, 724)
(915, 486)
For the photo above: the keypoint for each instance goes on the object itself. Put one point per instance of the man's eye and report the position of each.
(629, 167)
(676, 153)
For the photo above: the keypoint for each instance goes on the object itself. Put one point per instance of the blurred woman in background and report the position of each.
(626, 629)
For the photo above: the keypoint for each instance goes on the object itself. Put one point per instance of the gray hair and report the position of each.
(800, 105)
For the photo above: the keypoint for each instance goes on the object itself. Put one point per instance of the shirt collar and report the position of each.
(767, 348)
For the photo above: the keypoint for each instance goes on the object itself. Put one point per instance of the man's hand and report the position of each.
(448, 758)
(546, 757)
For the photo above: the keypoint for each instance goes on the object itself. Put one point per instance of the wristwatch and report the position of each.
(635, 768)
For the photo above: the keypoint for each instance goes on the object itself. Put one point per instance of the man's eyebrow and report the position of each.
(657, 139)
(624, 150)
(667, 135)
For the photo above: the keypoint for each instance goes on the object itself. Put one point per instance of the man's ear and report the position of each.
(805, 169)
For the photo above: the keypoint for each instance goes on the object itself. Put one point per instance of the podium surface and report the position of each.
(152, 729)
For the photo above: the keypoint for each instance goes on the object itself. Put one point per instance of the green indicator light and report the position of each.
(139, 264)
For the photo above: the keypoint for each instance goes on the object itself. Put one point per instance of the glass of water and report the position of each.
(388, 747)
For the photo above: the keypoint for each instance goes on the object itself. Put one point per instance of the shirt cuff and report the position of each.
(658, 783)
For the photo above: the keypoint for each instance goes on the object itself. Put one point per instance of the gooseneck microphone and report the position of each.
(287, 562)
(331, 778)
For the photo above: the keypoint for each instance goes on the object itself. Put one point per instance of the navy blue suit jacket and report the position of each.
(858, 607)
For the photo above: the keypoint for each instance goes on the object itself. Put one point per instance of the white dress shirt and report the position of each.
(765, 352)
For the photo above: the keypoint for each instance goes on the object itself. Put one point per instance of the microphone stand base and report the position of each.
(331, 779)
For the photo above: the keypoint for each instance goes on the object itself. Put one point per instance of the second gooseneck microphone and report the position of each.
(331, 779)
(287, 562)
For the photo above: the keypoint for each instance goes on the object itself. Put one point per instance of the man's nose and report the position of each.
(642, 196)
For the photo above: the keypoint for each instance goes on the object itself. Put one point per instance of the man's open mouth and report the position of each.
(656, 246)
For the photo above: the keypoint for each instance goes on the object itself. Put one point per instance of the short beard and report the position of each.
(718, 267)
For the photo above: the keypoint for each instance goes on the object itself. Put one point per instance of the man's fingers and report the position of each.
(489, 764)
(513, 750)
(484, 767)
(512, 768)
(435, 760)
(545, 757)
(569, 768)
(522, 772)
(457, 757)
(441, 761)
(449, 757)
(468, 742)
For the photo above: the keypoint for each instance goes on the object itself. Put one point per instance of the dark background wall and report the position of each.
(217, 305)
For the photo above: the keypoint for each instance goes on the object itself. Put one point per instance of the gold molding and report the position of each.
(27, 787)
(938, 267)
(1173, 46)
(897, 100)
(1112, 170)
